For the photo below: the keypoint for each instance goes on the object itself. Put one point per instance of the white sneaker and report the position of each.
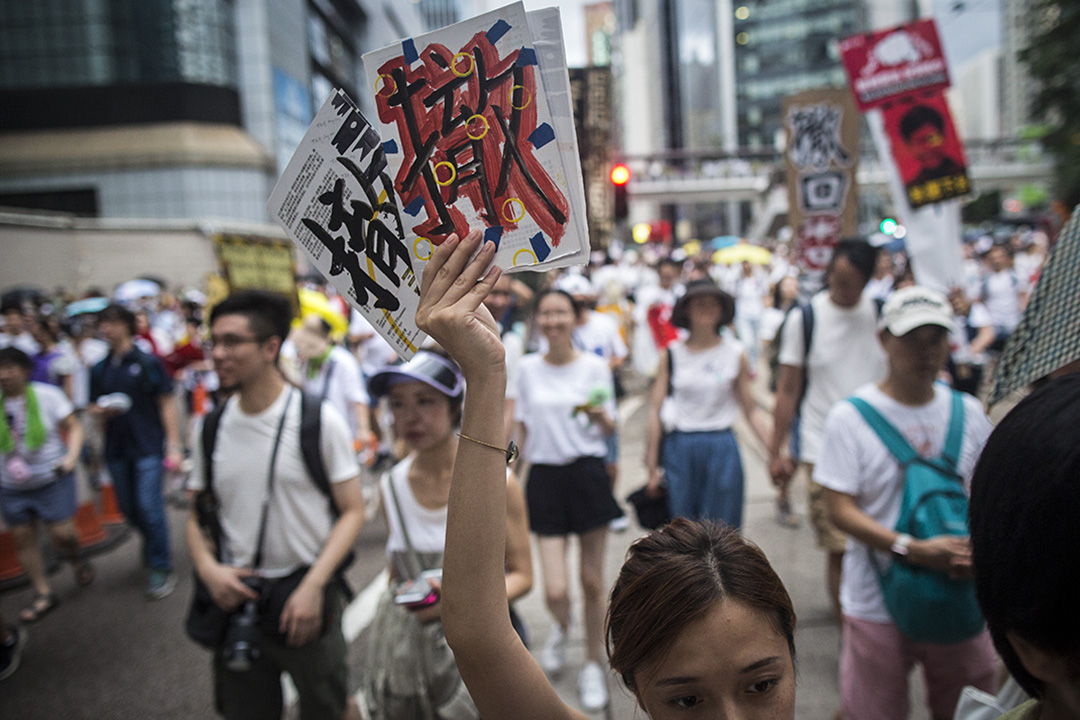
(620, 524)
(553, 657)
(593, 687)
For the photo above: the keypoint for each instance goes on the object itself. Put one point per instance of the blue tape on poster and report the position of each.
(415, 206)
(497, 30)
(527, 56)
(390, 147)
(540, 247)
(541, 136)
(408, 50)
(494, 234)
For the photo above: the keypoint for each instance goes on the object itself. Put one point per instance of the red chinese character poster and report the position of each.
(478, 133)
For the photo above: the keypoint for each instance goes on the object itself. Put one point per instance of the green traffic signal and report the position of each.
(888, 226)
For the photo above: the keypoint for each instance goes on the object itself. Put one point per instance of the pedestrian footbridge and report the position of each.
(687, 177)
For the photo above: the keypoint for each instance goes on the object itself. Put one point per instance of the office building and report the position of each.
(172, 109)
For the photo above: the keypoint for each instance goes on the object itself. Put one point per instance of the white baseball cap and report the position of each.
(575, 285)
(913, 307)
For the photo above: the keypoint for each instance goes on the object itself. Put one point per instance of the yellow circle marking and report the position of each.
(469, 122)
(506, 216)
(453, 174)
(431, 248)
(528, 96)
(472, 64)
(392, 84)
(528, 252)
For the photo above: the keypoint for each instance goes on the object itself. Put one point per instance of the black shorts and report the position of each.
(570, 499)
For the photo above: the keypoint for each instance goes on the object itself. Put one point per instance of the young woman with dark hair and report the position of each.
(425, 397)
(696, 399)
(698, 619)
(565, 412)
(1024, 503)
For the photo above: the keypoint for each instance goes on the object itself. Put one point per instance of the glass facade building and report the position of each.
(171, 108)
(783, 47)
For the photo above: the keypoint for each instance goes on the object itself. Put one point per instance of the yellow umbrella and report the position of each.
(754, 254)
(313, 302)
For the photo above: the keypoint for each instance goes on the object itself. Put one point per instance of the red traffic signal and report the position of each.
(620, 174)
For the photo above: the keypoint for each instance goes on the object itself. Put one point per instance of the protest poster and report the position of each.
(820, 164)
(477, 124)
(250, 262)
(889, 72)
(337, 203)
(890, 64)
(927, 150)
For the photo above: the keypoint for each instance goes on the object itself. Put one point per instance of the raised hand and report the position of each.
(451, 310)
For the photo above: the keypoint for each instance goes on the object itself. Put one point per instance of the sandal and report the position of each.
(785, 516)
(84, 574)
(41, 606)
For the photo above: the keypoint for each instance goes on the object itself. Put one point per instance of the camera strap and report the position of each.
(270, 482)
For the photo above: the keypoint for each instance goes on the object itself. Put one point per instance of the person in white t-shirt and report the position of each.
(598, 334)
(565, 412)
(40, 441)
(1003, 292)
(864, 486)
(844, 354)
(15, 332)
(751, 287)
(332, 373)
(701, 399)
(306, 537)
(968, 343)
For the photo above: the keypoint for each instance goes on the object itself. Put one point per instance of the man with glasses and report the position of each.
(132, 395)
(280, 538)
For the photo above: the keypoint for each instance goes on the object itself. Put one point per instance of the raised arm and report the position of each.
(502, 677)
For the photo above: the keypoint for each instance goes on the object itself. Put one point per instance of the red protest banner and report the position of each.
(891, 64)
(927, 150)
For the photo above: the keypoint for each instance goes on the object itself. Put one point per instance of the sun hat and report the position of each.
(700, 288)
(427, 367)
(913, 307)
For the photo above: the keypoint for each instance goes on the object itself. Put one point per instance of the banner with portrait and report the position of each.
(927, 150)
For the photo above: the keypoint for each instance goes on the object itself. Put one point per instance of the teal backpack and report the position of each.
(927, 605)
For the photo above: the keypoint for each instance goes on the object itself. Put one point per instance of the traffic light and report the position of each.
(620, 176)
(888, 226)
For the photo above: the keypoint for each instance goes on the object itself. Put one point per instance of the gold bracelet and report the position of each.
(511, 449)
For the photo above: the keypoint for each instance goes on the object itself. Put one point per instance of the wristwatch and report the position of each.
(899, 548)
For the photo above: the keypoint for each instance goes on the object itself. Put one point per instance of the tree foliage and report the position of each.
(1054, 64)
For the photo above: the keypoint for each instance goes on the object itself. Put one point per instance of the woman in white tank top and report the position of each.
(701, 385)
(425, 396)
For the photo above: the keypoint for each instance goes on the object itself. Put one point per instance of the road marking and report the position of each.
(361, 611)
(628, 407)
(356, 617)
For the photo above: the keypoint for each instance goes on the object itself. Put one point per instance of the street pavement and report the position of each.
(108, 653)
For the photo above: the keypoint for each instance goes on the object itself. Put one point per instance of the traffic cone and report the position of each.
(9, 559)
(199, 400)
(88, 526)
(110, 509)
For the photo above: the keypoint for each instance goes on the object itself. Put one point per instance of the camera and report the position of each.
(242, 636)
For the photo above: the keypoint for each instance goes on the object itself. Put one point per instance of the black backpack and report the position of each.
(774, 349)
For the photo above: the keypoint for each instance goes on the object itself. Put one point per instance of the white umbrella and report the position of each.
(136, 290)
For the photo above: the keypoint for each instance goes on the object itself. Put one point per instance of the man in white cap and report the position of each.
(865, 488)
